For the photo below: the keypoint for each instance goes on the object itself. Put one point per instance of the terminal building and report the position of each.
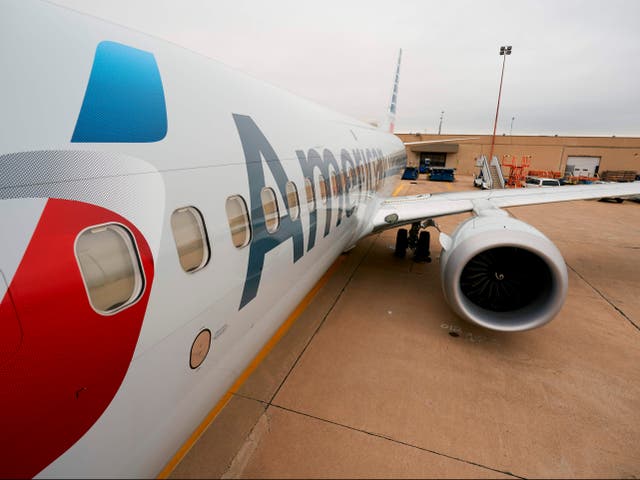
(586, 155)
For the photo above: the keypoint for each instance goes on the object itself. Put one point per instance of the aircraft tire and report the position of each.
(402, 242)
(422, 253)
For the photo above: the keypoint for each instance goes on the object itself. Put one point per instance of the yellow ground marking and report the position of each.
(284, 328)
(397, 190)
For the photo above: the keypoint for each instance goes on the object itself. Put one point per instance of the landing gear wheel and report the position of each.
(402, 243)
(422, 253)
(413, 235)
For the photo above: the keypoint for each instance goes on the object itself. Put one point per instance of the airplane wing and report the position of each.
(398, 211)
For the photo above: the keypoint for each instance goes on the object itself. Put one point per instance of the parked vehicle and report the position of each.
(537, 182)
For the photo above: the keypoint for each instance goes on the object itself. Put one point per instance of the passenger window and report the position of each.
(110, 267)
(323, 189)
(311, 199)
(190, 235)
(350, 179)
(292, 200)
(367, 169)
(239, 222)
(270, 209)
(334, 185)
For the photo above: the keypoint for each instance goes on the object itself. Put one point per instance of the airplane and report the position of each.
(162, 214)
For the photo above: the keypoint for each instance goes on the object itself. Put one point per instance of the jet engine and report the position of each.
(502, 273)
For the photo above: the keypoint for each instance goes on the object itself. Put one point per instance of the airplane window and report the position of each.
(110, 267)
(190, 235)
(334, 185)
(311, 200)
(367, 169)
(323, 189)
(372, 180)
(292, 200)
(270, 209)
(239, 222)
(352, 178)
(376, 176)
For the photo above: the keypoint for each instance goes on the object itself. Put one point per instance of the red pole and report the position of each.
(495, 123)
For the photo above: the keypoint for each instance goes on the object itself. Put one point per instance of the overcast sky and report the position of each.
(575, 67)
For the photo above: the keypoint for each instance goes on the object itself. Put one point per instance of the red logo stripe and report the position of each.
(71, 360)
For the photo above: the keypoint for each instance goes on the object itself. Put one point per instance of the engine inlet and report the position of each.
(505, 278)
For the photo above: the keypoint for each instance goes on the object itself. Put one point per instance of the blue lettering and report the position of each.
(360, 169)
(255, 147)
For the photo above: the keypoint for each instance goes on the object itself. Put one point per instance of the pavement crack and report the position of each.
(242, 458)
(324, 318)
(248, 397)
(595, 289)
(400, 442)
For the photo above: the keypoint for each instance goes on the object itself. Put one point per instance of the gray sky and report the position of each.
(575, 67)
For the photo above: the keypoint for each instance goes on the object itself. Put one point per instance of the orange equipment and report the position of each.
(517, 173)
(573, 180)
(545, 174)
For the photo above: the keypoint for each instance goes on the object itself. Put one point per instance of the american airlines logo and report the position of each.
(256, 148)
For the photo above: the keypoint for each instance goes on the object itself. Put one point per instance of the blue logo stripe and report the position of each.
(124, 101)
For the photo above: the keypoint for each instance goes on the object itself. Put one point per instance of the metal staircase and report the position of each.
(491, 173)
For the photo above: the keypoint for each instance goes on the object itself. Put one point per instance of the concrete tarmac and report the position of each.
(378, 378)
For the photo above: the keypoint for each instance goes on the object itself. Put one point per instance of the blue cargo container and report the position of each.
(410, 173)
(442, 174)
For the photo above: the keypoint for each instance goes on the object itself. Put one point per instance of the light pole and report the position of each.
(504, 51)
(511, 129)
(440, 126)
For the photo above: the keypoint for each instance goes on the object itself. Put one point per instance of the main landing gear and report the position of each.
(418, 241)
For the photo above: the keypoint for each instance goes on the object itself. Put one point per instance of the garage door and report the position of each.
(582, 166)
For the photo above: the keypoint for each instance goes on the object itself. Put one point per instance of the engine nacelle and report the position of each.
(502, 273)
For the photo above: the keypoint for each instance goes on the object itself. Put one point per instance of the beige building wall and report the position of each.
(547, 153)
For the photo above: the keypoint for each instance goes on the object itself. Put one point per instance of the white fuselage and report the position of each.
(200, 162)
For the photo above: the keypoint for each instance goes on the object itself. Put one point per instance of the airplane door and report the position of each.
(10, 330)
